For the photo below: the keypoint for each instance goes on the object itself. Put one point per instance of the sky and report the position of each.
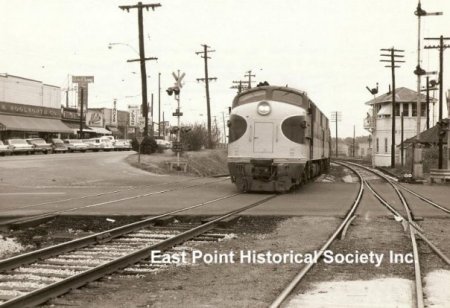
(328, 48)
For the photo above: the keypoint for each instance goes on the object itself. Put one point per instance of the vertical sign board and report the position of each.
(83, 82)
(114, 114)
(134, 114)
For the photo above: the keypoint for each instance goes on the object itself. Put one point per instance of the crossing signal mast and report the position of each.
(175, 90)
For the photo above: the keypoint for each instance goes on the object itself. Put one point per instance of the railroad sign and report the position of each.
(177, 114)
(177, 146)
(139, 139)
(178, 79)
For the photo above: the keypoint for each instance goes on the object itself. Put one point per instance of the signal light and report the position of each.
(172, 90)
(169, 91)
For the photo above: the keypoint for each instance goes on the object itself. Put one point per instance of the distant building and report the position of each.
(378, 122)
(30, 108)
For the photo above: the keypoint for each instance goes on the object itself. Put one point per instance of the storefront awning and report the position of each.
(100, 130)
(29, 124)
(76, 127)
(113, 129)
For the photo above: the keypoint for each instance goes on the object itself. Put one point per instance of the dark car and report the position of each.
(58, 146)
(40, 145)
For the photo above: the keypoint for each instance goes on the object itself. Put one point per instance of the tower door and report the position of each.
(263, 137)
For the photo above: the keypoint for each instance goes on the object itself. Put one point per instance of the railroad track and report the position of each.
(50, 214)
(408, 219)
(35, 277)
(363, 172)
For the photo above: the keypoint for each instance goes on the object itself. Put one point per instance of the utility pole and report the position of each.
(159, 104)
(81, 111)
(142, 58)
(152, 132)
(164, 127)
(417, 169)
(353, 141)
(224, 129)
(431, 85)
(393, 65)
(239, 85)
(249, 75)
(441, 48)
(204, 55)
(336, 116)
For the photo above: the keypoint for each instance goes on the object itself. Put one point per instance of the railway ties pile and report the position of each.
(35, 277)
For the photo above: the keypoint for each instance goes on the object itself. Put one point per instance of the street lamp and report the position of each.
(110, 46)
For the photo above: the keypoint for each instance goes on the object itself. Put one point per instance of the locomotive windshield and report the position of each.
(294, 129)
(287, 97)
(252, 97)
(237, 127)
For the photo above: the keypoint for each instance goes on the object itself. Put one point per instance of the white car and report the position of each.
(76, 145)
(20, 146)
(103, 143)
(5, 149)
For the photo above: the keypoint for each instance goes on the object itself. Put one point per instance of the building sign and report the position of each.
(82, 79)
(95, 118)
(83, 82)
(114, 114)
(134, 111)
(35, 111)
(71, 114)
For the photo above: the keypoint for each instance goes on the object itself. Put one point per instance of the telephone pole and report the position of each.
(249, 75)
(441, 48)
(392, 54)
(239, 85)
(204, 55)
(159, 104)
(139, 6)
(336, 116)
(417, 169)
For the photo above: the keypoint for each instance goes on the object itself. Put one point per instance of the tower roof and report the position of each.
(402, 95)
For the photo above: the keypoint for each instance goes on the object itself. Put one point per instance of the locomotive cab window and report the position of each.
(251, 97)
(287, 97)
(237, 127)
(294, 129)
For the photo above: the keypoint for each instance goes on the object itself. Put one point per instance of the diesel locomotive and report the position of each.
(278, 139)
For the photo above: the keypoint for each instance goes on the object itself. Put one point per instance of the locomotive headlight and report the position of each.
(263, 108)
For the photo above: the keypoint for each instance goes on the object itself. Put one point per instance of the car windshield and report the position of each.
(57, 141)
(17, 141)
(38, 141)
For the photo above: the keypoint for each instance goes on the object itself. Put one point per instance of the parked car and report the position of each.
(40, 145)
(5, 149)
(20, 146)
(76, 145)
(122, 145)
(92, 145)
(163, 143)
(105, 145)
(58, 146)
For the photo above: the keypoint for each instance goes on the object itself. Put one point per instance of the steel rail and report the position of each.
(419, 230)
(47, 252)
(53, 213)
(426, 200)
(99, 194)
(42, 295)
(412, 233)
(296, 280)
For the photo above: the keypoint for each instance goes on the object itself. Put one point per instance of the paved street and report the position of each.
(103, 184)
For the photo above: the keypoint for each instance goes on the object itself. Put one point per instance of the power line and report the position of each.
(393, 54)
(204, 55)
(441, 48)
(139, 6)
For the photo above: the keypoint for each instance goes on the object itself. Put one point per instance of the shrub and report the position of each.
(197, 137)
(148, 145)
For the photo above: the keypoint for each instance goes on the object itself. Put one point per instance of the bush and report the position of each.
(148, 145)
(197, 138)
